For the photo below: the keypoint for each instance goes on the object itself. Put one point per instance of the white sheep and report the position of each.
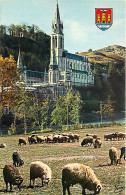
(40, 170)
(76, 173)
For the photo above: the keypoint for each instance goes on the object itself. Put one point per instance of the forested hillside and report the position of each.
(34, 44)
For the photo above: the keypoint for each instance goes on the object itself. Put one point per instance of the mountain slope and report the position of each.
(104, 56)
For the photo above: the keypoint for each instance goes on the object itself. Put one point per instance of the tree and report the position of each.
(90, 50)
(8, 87)
(68, 104)
(58, 114)
(76, 108)
(109, 107)
(24, 107)
(102, 109)
(67, 109)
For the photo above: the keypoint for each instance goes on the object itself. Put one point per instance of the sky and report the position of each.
(78, 16)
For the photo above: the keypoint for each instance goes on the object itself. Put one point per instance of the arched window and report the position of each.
(60, 43)
(55, 41)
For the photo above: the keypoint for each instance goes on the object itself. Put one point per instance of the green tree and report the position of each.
(45, 113)
(68, 104)
(59, 112)
(24, 108)
(102, 110)
(76, 108)
(109, 107)
(90, 50)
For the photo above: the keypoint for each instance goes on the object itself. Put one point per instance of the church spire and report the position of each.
(19, 61)
(20, 64)
(57, 26)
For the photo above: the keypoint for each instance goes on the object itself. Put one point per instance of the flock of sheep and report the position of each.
(71, 173)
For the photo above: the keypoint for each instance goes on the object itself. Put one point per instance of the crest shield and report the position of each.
(103, 18)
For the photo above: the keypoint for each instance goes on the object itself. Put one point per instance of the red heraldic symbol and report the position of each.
(103, 18)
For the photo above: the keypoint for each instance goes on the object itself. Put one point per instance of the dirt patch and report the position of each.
(72, 157)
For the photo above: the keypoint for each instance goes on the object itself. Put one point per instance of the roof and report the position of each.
(74, 56)
(37, 74)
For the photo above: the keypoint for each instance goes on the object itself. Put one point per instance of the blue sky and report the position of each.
(78, 16)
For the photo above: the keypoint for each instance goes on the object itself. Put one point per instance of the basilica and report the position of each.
(65, 69)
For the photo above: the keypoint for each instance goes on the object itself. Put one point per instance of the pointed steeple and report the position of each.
(57, 14)
(57, 26)
(19, 61)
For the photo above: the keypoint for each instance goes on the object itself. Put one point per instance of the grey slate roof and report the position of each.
(74, 56)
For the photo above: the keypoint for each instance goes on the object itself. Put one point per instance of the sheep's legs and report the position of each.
(33, 182)
(10, 187)
(42, 183)
(83, 191)
(68, 190)
(6, 186)
(64, 190)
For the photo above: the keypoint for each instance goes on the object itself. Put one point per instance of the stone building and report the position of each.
(65, 69)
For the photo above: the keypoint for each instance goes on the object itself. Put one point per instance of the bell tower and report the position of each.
(57, 48)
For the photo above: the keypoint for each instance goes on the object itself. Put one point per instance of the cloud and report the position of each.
(77, 31)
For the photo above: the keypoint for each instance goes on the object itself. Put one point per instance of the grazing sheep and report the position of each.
(113, 155)
(76, 137)
(11, 175)
(62, 139)
(109, 136)
(55, 138)
(22, 140)
(41, 139)
(32, 140)
(41, 170)
(120, 136)
(17, 161)
(122, 152)
(76, 173)
(97, 143)
(71, 137)
(65, 134)
(2, 145)
(49, 139)
(87, 140)
(92, 135)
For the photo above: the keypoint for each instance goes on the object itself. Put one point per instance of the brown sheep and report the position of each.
(2, 145)
(92, 135)
(55, 138)
(87, 140)
(120, 136)
(71, 137)
(109, 136)
(76, 137)
(11, 175)
(62, 139)
(50, 139)
(41, 139)
(32, 140)
(22, 140)
(113, 155)
(97, 143)
(76, 173)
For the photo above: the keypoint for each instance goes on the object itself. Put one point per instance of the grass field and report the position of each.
(56, 155)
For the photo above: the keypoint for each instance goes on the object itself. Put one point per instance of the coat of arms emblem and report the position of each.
(103, 18)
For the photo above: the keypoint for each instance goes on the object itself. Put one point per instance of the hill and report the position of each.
(35, 53)
(112, 54)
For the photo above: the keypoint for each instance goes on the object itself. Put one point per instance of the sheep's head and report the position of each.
(21, 162)
(98, 188)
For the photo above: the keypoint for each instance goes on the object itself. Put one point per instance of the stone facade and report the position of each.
(65, 69)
